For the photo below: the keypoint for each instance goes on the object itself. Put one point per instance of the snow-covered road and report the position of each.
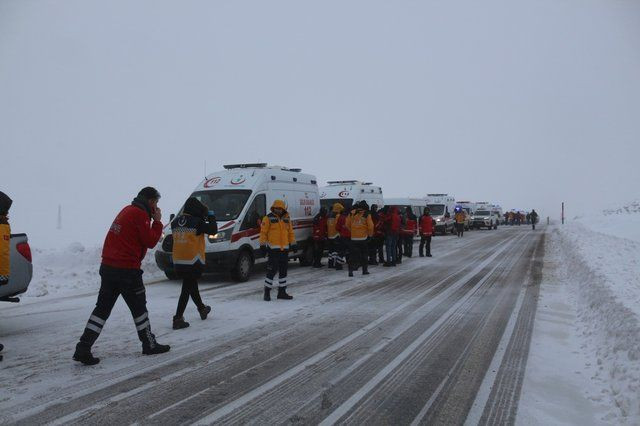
(442, 339)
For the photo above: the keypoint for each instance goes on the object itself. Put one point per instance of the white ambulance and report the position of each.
(350, 192)
(240, 196)
(442, 208)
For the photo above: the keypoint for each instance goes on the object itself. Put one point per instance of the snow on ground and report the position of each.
(73, 270)
(590, 313)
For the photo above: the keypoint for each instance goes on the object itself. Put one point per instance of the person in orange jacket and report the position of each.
(276, 239)
(427, 225)
(333, 235)
(459, 218)
(360, 228)
(5, 242)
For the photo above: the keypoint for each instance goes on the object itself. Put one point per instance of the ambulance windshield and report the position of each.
(482, 213)
(226, 204)
(436, 209)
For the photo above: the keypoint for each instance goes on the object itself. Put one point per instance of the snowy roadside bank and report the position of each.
(73, 270)
(589, 313)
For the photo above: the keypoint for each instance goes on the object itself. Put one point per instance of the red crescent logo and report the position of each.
(211, 182)
(343, 194)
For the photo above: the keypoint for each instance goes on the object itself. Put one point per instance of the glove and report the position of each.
(294, 247)
(263, 250)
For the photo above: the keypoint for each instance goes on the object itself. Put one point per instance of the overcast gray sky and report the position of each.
(527, 103)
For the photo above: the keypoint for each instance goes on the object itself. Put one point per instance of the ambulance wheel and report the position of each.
(171, 274)
(306, 258)
(244, 265)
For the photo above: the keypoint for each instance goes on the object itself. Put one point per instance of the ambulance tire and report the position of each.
(241, 272)
(306, 259)
(171, 274)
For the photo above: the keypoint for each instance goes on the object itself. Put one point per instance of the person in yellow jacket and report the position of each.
(5, 242)
(276, 239)
(360, 225)
(334, 235)
(459, 217)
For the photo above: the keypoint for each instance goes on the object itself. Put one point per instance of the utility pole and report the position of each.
(563, 212)
(59, 217)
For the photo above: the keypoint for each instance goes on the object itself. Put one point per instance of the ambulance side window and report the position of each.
(255, 213)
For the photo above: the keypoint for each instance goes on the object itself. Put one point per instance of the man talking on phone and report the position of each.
(125, 246)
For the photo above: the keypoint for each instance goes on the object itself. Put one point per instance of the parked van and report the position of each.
(350, 192)
(240, 196)
(417, 205)
(442, 207)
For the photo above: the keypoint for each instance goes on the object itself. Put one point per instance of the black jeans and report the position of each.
(425, 240)
(460, 229)
(408, 245)
(376, 248)
(358, 255)
(189, 289)
(278, 262)
(116, 282)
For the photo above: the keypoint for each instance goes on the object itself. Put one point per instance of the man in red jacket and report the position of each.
(392, 232)
(343, 239)
(125, 246)
(319, 236)
(426, 231)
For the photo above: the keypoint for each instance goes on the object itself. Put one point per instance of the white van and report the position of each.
(441, 207)
(350, 192)
(417, 206)
(240, 196)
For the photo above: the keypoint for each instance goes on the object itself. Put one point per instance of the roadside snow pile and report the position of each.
(604, 271)
(73, 270)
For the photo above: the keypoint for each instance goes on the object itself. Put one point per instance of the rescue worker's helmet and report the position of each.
(279, 204)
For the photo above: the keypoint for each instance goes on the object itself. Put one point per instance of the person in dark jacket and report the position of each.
(125, 246)
(376, 243)
(319, 236)
(534, 218)
(392, 232)
(5, 243)
(189, 257)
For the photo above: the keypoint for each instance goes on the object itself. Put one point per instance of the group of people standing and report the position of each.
(361, 236)
(518, 218)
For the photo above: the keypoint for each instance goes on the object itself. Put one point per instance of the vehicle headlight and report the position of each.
(221, 236)
(439, 220)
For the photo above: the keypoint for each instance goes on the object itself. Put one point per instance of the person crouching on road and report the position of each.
(360, 227)
(276, 239)
(125, 246)
(5, 243)
(319, 236)
(188, 232)
(459, 218)
(426, 232)
(332, 233)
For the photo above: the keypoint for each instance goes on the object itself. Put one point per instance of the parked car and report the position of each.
(240, 196)
(483, 218)
(21, 269)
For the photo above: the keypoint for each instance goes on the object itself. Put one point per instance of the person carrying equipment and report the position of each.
(276, 239)
(189, 258)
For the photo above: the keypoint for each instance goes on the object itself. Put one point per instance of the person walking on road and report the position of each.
(459, 219)
(5, 243)
(534, 219)
(360, 227)
(319, 236)
(276, 239)
(125, 246)
(427, 225)
(189, 258)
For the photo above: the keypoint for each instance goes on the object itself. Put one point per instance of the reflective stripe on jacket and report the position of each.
(276, 231)
(360, 225)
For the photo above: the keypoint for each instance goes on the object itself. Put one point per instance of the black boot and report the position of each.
(365, 271)
(179, 323)
(350, 272)
(267, 294)
(150, 345)
(204, 311)
(282, 293)
(330, 263)
(83, 355)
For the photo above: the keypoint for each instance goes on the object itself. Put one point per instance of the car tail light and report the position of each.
(24, 250)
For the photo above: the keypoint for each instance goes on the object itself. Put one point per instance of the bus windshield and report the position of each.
(226, 204)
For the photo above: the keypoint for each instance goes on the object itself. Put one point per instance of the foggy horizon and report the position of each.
(523, 104)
